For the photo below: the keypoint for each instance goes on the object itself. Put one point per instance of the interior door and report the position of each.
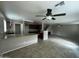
(17, 29)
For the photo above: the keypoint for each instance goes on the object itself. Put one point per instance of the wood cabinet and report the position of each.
(34, 28)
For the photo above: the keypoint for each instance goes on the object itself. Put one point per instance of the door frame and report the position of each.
(21, 27)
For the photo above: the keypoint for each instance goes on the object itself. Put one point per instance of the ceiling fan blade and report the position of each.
(62, 14)
(40, 16)
(61, 3)
(53, 19)
(43, 18)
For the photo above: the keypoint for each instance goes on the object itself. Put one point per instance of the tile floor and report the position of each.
(52, 48)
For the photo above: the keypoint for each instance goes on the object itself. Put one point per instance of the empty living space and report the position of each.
(39, 29)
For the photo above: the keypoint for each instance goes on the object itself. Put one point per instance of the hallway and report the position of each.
(54, 47)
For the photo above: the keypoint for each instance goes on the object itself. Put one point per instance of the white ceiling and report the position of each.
(26, 10)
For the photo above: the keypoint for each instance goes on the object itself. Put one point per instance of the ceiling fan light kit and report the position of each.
(49, 15)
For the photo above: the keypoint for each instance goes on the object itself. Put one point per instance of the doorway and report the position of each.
(17, 28)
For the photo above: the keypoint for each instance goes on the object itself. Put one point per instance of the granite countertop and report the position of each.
(14, 36)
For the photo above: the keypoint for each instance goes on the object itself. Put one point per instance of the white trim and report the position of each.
(21, 26)
(21, 29)
(5, 26)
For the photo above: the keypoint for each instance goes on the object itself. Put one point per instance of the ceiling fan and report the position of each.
(50, 16)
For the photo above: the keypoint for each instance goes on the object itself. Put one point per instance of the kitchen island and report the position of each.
(16, 42)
